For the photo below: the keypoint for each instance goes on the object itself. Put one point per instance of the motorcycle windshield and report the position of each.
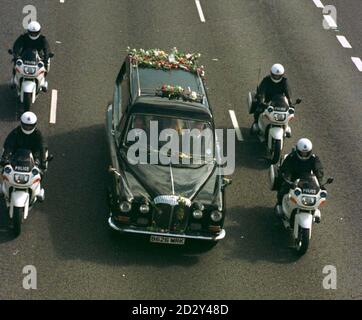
(279, 103)
(30, 57)
(22, 161)
(309, 185)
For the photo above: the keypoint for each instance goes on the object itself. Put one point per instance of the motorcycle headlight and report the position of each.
(216, 216)
(125, 207)
(297, 192)
(323, 194)
(291, 111)
(30, 70)
(19, 63)
(308, 201)
(7, 170)
(279, 117)
(197, 214)
(21, 178)
(270, 109)
(144, 208)
(35, 172)
(40, 65)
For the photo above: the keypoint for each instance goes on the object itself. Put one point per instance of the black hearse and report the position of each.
(168, 202)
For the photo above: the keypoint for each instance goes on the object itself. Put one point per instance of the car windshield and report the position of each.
(186, 138)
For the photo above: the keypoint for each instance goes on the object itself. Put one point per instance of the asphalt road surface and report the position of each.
(67, 237)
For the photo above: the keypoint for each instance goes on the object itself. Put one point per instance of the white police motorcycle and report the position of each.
(29, 78)
(300, 207)
(273, 124)
(21, 186)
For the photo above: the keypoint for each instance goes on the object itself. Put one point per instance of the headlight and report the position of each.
(216, 216)
(19, 63)
(270, 109)
(297, 192)
(125, 207)
(7, 170)
(21, 178)
(144, 208)
(40, 65)
(308, 201)
(279, 117)
(35, 172)
(291, 111)
(197, 214)
(323, 194)
(30, 70)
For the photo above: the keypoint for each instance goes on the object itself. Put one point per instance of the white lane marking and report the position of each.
(62, 1)
(236, 125)
(358, 62)
(344, 42)
(58, 42)
(53, 107)
(318, 3)
(199, 9)
(331, 23)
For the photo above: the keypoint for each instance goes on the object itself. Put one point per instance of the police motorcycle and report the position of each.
(273, 124)
(29, 78)
(301, 206)
(21, 186)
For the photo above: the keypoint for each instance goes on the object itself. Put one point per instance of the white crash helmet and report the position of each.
(34, 30)
(28, 122)
(277, 72)
(304, 149)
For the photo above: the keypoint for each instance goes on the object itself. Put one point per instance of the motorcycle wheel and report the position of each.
(17, 220)
(28, 97)
(302, 243)
(276, 152)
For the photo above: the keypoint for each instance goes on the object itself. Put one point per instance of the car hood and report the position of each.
(168, 180)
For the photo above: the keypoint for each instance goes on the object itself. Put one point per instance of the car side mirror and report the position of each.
(51, 55)
(226, 182)
(114, 170)
(50, 158)
(10, 51)
(298, 101)
(330, 180)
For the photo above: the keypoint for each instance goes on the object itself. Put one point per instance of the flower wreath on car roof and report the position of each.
(159, 59)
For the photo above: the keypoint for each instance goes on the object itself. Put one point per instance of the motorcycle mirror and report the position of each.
(298, 101)
(330, 180)
(10, 51)
(226, 182)
(50, 158)
(51, 55)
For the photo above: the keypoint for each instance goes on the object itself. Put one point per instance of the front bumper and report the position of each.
(126, 229)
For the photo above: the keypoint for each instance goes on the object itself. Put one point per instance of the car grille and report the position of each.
(170, 218)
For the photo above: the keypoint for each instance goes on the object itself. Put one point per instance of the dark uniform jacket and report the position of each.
(24, 42)
(17, 139)
(268, 89)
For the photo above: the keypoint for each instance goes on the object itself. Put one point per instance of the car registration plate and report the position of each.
(167, 240)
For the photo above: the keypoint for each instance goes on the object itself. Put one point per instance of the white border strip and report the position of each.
(331, 23)
(199, 9)
(358, 62)
(53, 107)
(236, 125)
(344, 42)
(318, 3)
